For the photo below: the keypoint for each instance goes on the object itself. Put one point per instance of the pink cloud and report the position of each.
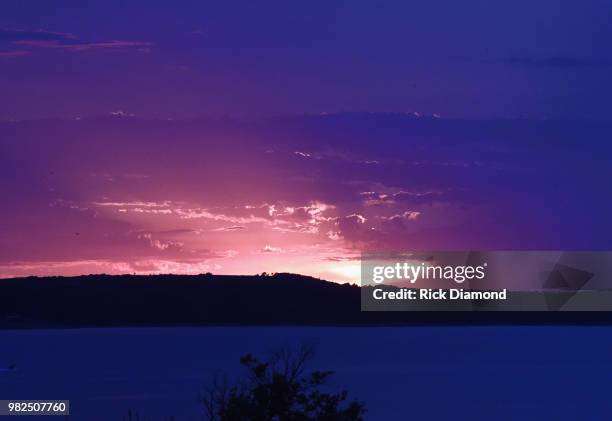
(85, 46)
(270, 249)
(11, 54)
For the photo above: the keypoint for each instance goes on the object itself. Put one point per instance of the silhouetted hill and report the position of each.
(171, 300)
(101, 300)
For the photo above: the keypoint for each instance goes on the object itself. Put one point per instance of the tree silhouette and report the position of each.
(279, 389)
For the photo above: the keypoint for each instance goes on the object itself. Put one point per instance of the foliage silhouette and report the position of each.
(279, 389)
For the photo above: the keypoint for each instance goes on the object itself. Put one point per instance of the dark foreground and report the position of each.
(173, 300)
(401, 373)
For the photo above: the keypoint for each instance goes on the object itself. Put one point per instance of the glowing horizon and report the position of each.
(241, 138)
(124, 195)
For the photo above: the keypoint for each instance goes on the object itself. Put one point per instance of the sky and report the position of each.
(235, 137)
(549, 59)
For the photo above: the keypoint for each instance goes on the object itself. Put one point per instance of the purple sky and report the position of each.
(346, 127)
(477, 59)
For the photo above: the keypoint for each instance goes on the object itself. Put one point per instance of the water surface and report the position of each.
(401, 373)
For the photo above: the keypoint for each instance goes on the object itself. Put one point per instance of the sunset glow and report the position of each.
(290, 139)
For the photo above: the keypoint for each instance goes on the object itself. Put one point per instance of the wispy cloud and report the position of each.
(270, 249)
(84, 46)
(409, 215)
(559, 62)
(232, 228)
(12, 54)
(12, 35)
(41, 39)
(77, 267)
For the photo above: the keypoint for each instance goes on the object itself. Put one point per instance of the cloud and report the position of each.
(371, 198)
(333, 155)
(559, 62)
(12, 54)
(86, 46)
(232, 228)
(63, 41)
(121, 113)
(197, 213)
(348, 258)
(78, 267)
(159, 244)
(141, 204)
(200, 193)
(161, 208)
(334, 235)
(9, 35)
(306, 219)
(360, 218)
(409, 215)
(270, 249)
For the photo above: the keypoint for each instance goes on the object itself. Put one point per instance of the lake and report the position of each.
(401, 373)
